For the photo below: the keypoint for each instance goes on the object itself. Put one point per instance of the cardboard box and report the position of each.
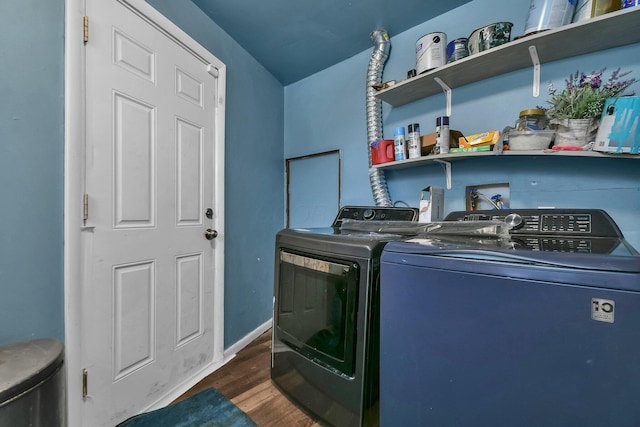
(479, 139)
(431, 204)
(471, 150)
(619, 126)
(429, 141)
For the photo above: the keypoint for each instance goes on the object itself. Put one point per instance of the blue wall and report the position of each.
(328, 108)
(326, 111)
(254, 171)
(31, 169)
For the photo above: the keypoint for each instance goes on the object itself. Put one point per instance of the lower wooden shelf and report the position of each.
(451, 157)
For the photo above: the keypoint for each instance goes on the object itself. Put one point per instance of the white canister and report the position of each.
(549, 14)
(431, 52)
(415, 147)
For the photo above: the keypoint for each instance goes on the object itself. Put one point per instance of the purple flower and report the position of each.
(569, 83)
(584, 95)
(594, 80)
(611, 82)
(584, 80)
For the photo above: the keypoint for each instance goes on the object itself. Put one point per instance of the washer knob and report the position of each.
(368, 214)
(514, 220)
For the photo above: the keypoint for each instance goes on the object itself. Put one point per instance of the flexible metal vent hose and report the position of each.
(374, 113)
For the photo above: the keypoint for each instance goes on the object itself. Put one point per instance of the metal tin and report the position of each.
(583, 11)
(600, 7)
(549, 14)
(458, 49)
(430, 52)
(489, 36)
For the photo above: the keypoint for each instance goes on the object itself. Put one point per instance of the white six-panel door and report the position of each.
(148, 292)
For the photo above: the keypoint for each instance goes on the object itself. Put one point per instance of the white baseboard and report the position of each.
(227, 355)
(180, 389)
(248, 339)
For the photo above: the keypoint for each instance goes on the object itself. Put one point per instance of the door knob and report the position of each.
(210, 234)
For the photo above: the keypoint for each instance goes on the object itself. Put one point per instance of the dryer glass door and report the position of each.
(316, 308)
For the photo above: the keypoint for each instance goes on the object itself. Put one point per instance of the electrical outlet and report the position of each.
(487, 196)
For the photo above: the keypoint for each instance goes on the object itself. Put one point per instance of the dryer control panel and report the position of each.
(375, 213)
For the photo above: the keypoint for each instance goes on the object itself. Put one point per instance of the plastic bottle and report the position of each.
(414, 141)
(442, 135)
(399, 145)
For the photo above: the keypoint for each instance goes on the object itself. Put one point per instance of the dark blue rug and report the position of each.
(205, 409)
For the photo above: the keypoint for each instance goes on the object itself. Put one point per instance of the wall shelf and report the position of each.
(607, 31)
(451, 157)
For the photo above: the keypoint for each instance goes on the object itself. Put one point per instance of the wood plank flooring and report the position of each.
(246, 381)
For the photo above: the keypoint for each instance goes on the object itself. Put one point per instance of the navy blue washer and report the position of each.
(540, 330)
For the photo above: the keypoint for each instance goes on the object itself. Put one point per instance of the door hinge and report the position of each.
(85, 25)
(85, 207)
(85, 375)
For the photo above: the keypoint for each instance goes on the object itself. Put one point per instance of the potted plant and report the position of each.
(577, 109)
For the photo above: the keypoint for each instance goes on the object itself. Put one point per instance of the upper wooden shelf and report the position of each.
(607, 31)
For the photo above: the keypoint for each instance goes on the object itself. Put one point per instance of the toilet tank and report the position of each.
(31, 384)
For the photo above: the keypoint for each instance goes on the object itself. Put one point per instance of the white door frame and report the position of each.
(74, 178)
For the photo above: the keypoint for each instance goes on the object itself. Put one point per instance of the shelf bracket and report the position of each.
(447, 171)
(447, 93)
(536, 70)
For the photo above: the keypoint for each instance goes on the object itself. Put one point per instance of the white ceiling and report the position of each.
(294, 39)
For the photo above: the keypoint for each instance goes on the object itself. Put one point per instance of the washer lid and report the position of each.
(25, 364)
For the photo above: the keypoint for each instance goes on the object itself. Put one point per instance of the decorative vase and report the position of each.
(575, 132)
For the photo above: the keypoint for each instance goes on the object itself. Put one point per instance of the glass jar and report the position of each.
(532, 119)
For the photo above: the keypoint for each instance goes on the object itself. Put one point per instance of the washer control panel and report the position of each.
(561, 222)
